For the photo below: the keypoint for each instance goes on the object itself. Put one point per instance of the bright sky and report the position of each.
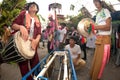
(43, 6)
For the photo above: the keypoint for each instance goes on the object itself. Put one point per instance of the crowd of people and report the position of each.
(62, 37)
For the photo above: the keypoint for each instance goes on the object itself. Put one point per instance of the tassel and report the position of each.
(93, 28)
(89, 29)
(82, 40)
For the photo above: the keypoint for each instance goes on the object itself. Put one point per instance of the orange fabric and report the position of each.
(28, 21)
(101, 41)
(6, 36)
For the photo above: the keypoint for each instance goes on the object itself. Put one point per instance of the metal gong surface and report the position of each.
(82, 25)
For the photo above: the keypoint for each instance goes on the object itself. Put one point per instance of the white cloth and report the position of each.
(32, 27)
(116, 35)
(91, 41)
(101, 20)
(62, 33)
(75, 51)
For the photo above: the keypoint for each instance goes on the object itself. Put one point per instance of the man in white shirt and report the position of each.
(63, 32)
(75, 52)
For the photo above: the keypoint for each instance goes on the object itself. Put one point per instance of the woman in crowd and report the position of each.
(103, 41)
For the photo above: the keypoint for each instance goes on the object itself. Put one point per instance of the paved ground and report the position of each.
(11, 72)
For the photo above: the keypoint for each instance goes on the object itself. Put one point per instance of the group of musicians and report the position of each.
(28, 23)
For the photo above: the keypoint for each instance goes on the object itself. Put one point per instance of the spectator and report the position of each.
(6, 34)
(75, 51)
(63, 32)
(43, 38)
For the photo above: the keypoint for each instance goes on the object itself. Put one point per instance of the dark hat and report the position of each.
(31, 3)
(73, 38)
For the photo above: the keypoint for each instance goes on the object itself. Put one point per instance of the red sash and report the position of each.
(105, 60)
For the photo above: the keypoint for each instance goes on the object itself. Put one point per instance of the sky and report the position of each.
(43, 6)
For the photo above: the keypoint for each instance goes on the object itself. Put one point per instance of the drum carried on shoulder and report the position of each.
(17, 50)
(86, 27)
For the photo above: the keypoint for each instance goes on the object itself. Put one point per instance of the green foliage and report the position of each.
(9, 10)
(10, 5)
(75, 20)
(40, 16)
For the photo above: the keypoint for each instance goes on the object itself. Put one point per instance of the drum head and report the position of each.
(24, 47)
(82, 24)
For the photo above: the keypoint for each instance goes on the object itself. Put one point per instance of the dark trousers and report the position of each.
(43, 43)
(83, 47)
(1, 46)
(48, 47)
(24, 67)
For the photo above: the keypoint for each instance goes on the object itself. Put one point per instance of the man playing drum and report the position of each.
(27, 22)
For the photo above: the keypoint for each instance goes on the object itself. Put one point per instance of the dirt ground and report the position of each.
(12, 72)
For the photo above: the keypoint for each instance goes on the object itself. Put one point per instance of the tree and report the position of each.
(73, 22)
(9, 10)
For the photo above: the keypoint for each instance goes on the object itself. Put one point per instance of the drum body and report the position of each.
(17, 50)
(11, 53)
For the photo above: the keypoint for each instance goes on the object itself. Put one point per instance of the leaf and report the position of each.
(10, 9)
(41, 17)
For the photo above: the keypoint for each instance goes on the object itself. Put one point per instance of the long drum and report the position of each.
(17, 50)
(85, 23)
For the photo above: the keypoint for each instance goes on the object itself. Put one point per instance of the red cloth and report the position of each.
(105, 60)
(82, 40)
(24, 69)
(93, 28)
(52, 24)
(37, 30)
